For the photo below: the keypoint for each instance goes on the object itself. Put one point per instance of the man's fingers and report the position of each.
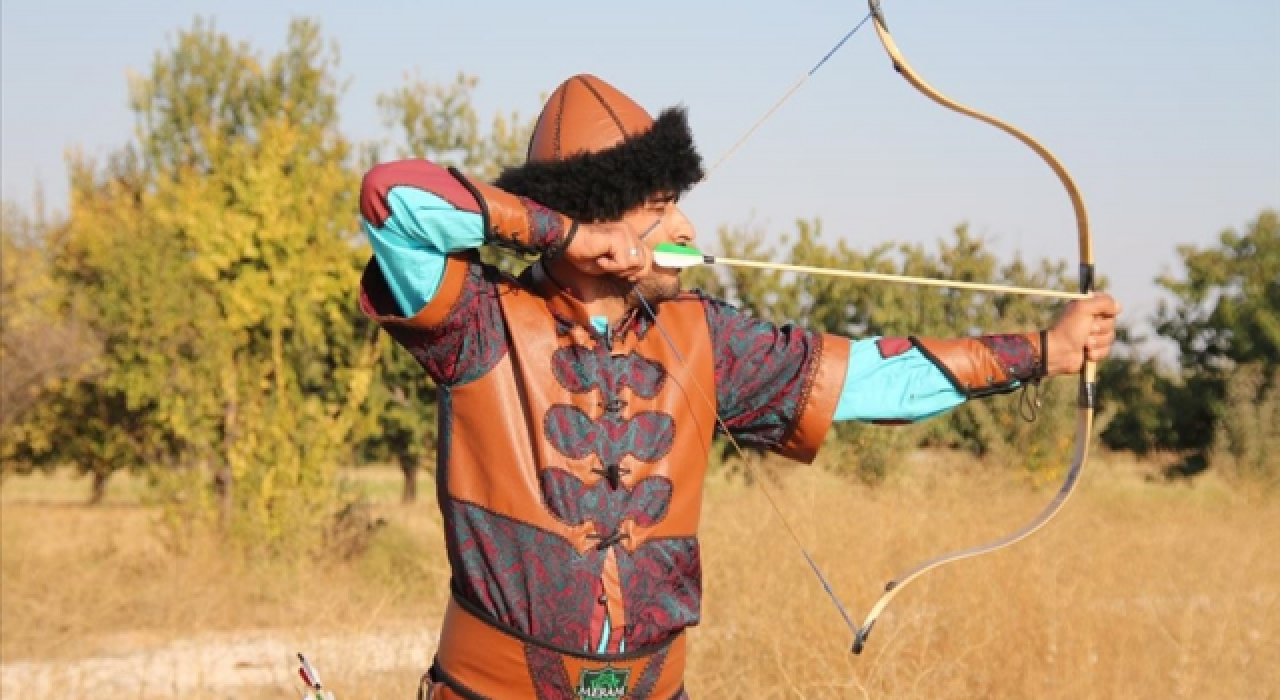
(612, 263)
(630, 261)
(612, 249)
(1100, 341)
(643, 258)
(1104, 305)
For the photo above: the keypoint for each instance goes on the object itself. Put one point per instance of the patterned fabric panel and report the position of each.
(1016, 353)
(537, 583)
(761, 370)
(662, 584)
(528, 579)
(462, 348)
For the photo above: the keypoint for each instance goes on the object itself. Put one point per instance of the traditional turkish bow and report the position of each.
(1088, 375)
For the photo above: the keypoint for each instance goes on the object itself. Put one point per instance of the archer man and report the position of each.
(578, 401)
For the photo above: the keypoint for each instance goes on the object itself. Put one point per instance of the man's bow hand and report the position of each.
(1085, 326)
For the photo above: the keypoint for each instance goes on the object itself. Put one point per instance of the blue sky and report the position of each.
(1167, 112)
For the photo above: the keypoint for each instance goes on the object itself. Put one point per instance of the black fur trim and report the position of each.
(593, 187)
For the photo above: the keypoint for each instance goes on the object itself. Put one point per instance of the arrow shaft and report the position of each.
(884, 277)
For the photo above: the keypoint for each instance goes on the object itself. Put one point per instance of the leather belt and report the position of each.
(478, 658)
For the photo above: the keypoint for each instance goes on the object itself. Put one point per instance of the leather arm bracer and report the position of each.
(518, 223)
(989, 364)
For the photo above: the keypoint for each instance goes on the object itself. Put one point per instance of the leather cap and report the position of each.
(596, 154)
(585, 115)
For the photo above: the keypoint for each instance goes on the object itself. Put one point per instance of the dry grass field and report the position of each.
(1140, 589)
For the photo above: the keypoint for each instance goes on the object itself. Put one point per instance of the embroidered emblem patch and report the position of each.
(594, 684)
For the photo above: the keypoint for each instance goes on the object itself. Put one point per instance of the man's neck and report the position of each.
(602, 297)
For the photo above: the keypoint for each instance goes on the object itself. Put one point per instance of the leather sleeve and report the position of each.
(820, 397)
(377, 210)
(986, 365)
(515, 222)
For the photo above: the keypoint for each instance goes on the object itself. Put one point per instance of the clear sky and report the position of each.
(1167, 112)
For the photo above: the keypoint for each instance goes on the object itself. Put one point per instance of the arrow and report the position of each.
(309, 676)
(675, 256)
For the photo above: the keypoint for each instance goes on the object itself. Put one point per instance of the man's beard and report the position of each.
(654, 290)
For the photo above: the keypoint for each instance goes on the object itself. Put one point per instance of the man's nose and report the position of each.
(682, 229)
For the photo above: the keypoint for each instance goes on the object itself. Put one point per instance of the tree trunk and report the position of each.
(222, 487)
(223, 480)
(409, 465)
(99, 492)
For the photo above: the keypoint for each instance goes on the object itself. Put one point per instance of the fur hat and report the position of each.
(596, 154)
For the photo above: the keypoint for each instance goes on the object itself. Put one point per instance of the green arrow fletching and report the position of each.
(675, 256)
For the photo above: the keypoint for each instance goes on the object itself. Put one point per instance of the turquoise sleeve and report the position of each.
(411, 246)
(903, 387)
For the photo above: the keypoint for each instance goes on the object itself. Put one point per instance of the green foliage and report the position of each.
(439, 122)
(1227, 315)
(1132, 392)
(1150, 409)
(42, 344)
(869, 453)
(1217, 408)
(766, 294)
(217, 256)
(81, 423)
(1227, 308)
(1225, 320)
(1249, 439)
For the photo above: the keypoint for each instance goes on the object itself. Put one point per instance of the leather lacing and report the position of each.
(613, 473)
(607, 541)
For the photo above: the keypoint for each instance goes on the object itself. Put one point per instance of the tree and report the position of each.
(440, 122)
(43, 346)
(39, 342)
(1132, 393)
(217, 255)
(1225, 320)
(1227, 309)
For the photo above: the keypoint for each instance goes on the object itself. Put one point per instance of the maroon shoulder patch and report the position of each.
(424, 175)
(893, 346)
